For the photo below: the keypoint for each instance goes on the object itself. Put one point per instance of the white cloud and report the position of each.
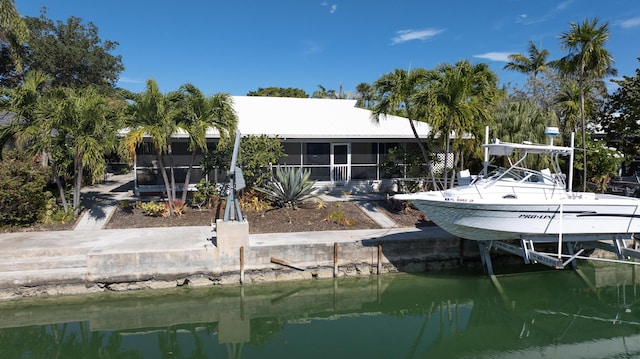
(332, 7)
(311, 47)
(495, 56)
(409, 35)
(633, 22)
(130, 80)
(563, 5)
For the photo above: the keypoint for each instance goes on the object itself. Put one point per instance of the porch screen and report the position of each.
(364, 158)
(316, 158)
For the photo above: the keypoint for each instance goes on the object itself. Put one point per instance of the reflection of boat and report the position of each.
(516, 201)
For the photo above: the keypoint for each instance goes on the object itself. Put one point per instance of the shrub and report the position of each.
(253, 202)
(22, 194)
(178, 207)
(289, 187)
(206, 194)
(339, 218)
(154, 209)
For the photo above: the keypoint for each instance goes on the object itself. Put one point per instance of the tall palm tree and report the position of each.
(30, 129)
(200, 113)
(13, 30)
(533, 64)
(84, 126)
(459, 99)
(396, 93)
(365, 95)
(587, 60)
(522, 120)
(153, 114)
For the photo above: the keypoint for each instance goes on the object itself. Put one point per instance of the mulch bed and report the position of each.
(331, 216)
(308, 217)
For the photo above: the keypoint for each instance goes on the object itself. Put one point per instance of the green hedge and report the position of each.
(22, 192)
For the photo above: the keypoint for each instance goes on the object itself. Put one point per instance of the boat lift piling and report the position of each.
(575, 247)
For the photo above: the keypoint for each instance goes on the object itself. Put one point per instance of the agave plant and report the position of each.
(288, 187)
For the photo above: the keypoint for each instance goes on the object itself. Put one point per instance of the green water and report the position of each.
(548, 314)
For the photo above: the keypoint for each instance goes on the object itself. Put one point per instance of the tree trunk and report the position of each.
(77, 184)
(424, 155)
(188, 176)
(172, 172)
(165, 179)
(584, 137)
(61, 192)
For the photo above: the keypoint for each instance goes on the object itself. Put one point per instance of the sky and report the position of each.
(239, 46)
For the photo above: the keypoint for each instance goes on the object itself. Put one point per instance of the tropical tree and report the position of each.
(13, 33)
(459, 99)
(153, 114)
(71, 130)
(20, 104)
(395, 93)
(620, 119)
(518, 121)
(322, 92)
(71, 53)
(586, 61)
(279, 92)
(534, 63)
(365, 95)
(85, 128)
(199, 114)
(29, 129)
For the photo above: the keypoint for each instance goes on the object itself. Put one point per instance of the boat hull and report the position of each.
(480, 220)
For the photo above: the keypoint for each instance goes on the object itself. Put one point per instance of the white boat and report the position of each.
(517, 203)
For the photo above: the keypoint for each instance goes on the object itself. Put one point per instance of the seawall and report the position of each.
(76, 262)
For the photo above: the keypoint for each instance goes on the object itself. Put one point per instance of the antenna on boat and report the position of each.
(551, 132)
(486, 151)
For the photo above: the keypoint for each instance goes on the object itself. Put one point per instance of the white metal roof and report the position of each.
(316, 118)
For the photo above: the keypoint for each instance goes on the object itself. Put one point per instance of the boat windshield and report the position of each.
(515, 174)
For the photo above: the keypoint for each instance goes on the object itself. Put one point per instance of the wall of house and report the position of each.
(330, 161)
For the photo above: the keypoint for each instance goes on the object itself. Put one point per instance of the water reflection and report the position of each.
(590, 314)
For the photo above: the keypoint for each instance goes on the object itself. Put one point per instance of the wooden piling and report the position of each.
(379, 258)
(335, 259)
(242, 265)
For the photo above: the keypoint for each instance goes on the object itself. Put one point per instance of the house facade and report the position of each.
(336, 141)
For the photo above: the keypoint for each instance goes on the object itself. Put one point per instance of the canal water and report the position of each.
(591, 313)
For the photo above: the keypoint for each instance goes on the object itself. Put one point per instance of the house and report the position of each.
(335, 140)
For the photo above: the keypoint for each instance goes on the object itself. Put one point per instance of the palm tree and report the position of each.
(532, 65)
(13, 30)
(365, 95)
(84, 126)
(395, 92)
(518, 121)
(29, 129)
(459, 99)
(199, 114)
(587, 59)
(153, 114)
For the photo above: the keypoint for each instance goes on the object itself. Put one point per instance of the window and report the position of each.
(364, 153)
(316, 154)
(294, 153)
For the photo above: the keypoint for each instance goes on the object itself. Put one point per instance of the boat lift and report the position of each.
(575, 246)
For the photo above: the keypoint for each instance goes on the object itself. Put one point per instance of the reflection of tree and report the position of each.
(263, 329)
(234, 350)
(63, 340)
(170, 345)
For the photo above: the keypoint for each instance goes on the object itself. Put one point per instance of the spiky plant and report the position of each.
(288, 187)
